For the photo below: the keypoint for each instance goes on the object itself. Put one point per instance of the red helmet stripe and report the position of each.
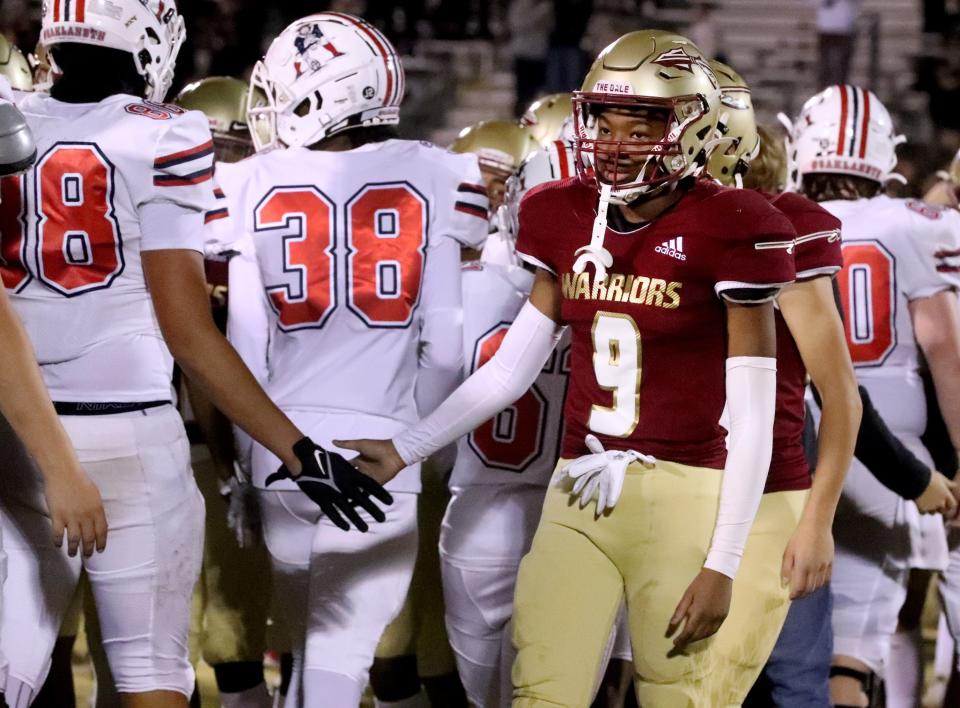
(865, 125)
(56, 10)
(562, 159)
(365, 28)
(81, 10)
(843, 119)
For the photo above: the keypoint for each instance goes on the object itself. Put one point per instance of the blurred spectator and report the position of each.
(566, 64)
(705, 31)
(530, 23)
(836, 32)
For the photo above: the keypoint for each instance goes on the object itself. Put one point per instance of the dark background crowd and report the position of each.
(546, 46)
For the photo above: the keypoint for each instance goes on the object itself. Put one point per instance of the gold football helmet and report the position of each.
(737, 125)
(546, 117)
(224, 101)
(15, 66)
(500, 147)
(647, 71)
(44, 69)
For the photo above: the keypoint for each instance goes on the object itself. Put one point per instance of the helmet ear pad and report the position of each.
(90, 73)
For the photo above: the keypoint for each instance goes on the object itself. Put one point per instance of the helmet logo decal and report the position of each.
(677, 58)
(313, 49)
(369, 92)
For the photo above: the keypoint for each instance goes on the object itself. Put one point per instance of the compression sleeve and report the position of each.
(506, 377)
(751, 402)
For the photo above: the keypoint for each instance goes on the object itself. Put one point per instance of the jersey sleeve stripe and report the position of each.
(472, 188)
(198, 177)
(471, 209)
(178, 158)
(816, 272)
(216, 215)
(536, 262)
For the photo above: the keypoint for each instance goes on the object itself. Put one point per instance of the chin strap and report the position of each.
(595, 253)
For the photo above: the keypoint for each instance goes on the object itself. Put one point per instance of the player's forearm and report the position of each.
(24, 400)
(212, 364)
(215, 428)
(494, 386)
(837, 438)
(944, 364)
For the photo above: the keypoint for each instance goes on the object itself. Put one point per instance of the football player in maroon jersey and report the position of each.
(670, 310)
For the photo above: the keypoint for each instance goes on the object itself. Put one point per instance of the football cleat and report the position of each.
(324, 74)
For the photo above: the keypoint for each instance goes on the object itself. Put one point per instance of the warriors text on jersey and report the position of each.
(816, 252)
(649, 341)
(894, 251)
(107, 176)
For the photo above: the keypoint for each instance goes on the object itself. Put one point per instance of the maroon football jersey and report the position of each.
(649, 341)
(816, 252)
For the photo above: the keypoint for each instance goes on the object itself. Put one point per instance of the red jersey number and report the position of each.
(306, 218)
(515, 437)
(867, 290)
(386, 228)
(80, 248)
(386, 246)
(12, 229)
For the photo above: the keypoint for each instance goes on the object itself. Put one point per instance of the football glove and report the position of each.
(243, 513)
(335, 485)
(601, 473)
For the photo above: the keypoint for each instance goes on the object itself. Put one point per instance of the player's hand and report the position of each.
(808, 558)
(940, 497)
(335, 485)
(601, 473)
(377, 458)
(702, 609)
(76, 508)
(243, 512)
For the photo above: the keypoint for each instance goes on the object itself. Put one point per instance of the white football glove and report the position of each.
(601, 473)
(243, 513)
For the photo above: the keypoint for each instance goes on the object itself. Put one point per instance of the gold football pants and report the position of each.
(647, 550)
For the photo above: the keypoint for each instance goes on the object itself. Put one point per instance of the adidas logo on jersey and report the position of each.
(672, 248)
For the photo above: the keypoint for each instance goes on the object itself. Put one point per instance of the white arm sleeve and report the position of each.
(494, 386)
(440, 366)
(751, 402)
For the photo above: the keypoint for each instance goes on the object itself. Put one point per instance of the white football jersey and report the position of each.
(73, 230)
(894, 251)
(520, 445)
(356, 253)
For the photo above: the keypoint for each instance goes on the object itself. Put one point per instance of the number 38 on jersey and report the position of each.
(75, 246)
(384, 236)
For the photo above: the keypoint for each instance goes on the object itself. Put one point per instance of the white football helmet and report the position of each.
(151, 30)
(844, 130)
(324, 74)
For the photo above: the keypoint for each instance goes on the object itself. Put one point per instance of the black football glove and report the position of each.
(335, 485)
